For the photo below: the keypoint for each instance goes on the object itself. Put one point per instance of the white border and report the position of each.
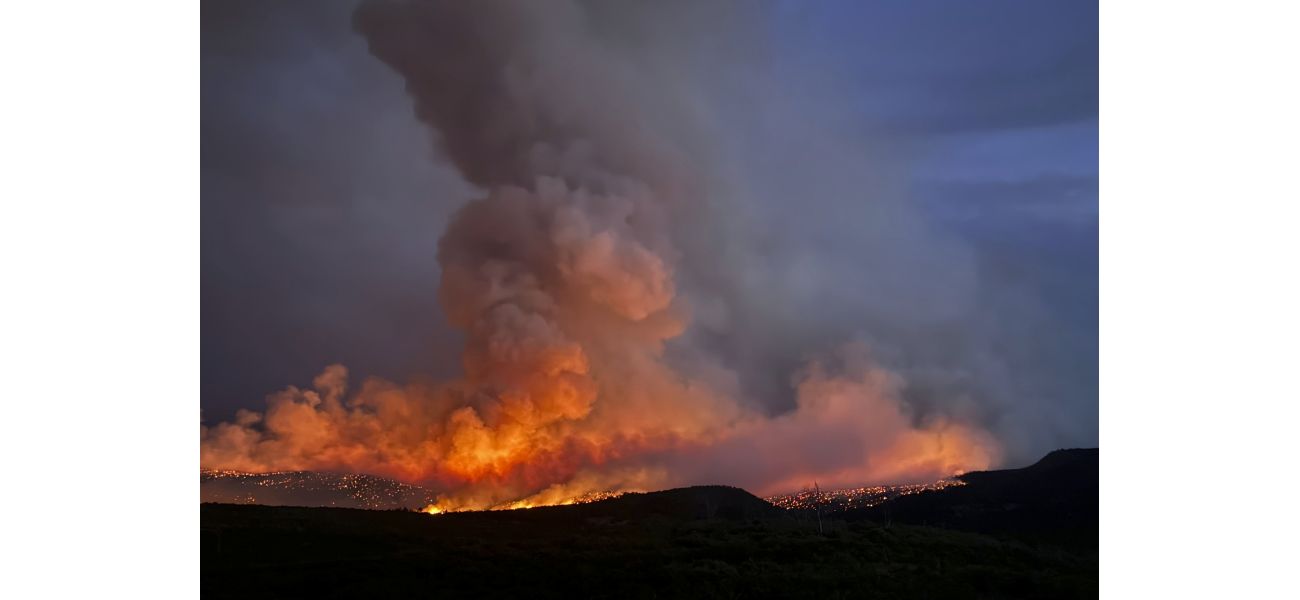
(99, 256)
(1199, 271)
(99, 308)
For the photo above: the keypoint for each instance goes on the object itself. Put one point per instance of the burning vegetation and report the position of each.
(859, 497)
(564, 276)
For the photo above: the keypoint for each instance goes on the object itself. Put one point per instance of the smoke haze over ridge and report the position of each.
(631, 316)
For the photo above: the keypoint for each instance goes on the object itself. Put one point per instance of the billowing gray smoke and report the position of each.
(637, 312)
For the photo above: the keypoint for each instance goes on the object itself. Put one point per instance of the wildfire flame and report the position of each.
(563, 277)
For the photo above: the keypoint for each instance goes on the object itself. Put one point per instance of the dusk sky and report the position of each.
(324, 199)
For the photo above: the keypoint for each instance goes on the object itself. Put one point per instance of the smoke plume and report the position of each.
(570, 276)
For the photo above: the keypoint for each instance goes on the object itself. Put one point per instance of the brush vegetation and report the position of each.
(693, 542)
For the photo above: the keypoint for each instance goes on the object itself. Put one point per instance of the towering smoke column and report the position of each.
(562, 277)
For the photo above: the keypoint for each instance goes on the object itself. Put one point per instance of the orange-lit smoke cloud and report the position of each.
(562, 276)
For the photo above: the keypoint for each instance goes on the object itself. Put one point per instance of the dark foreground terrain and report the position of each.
(996, 538)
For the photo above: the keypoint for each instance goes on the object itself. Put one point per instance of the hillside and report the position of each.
(710, 541)
(699, 502)
(1054, 500)
(307, 488)
(1018, 533)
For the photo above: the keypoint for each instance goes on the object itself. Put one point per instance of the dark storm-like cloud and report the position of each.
(318, 192)
(324, 197)
(575, 271)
